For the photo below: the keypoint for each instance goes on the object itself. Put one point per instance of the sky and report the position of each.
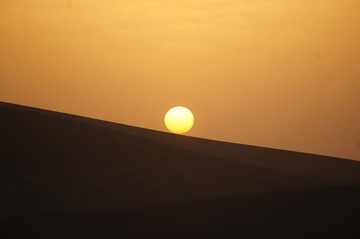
(274, 73)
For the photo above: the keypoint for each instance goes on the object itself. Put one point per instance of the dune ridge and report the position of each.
(60, 170)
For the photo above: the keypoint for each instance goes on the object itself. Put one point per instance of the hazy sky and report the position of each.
(275, 73)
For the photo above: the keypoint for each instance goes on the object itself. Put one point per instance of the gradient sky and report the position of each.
(274, 73)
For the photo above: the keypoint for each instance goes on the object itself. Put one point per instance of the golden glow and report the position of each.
(280, 74)
(179, 120)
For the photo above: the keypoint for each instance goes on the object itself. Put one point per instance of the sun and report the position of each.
(179, 120)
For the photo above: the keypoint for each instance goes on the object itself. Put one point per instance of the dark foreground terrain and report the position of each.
(65, 176)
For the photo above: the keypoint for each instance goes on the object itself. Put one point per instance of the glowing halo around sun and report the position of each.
(179, 120)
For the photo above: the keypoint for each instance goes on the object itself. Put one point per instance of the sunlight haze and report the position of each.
(280, 74)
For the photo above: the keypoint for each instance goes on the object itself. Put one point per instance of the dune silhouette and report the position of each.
(92, 178)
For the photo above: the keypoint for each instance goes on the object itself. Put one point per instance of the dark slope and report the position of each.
(279, 160)
(54, 163)
(318, 213)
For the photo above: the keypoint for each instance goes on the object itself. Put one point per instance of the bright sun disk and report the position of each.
(179, 120)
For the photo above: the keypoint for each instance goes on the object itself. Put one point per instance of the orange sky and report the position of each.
(275, 73)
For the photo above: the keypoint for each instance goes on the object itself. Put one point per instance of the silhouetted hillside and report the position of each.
(55, 166)
(303, 214)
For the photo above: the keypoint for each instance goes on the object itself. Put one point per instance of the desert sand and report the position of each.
(67, 176)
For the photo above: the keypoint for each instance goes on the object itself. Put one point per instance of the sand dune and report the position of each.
(301, 214)
(59, 164)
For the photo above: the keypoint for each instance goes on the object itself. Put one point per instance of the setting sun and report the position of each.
(98, 101)
(179, 120)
